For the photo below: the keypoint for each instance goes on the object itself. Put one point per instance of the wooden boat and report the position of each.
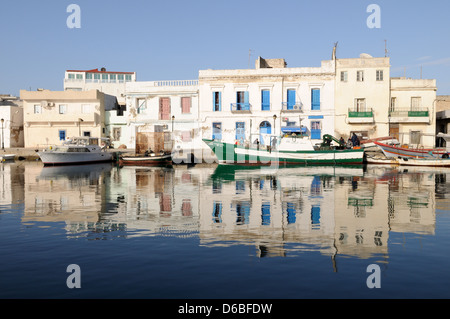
(429, 162)
(392, 151)
(146, 159)
(286, 150)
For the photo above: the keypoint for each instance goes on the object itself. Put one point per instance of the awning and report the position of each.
(293, 129)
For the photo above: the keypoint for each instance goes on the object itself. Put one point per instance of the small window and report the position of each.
(120, 78)
(62, 135)
(116, 133)
(62, 109)
(112, 78)
(344, 76)
(379, 75)
(360, 76)
(185, 105)
(96, 76)
(393, 104)
(89, 76)
(71, 76)
(217, 101)
(127, 77)
(37, 109)
(104, 78)
(416, 102)
(79, 76)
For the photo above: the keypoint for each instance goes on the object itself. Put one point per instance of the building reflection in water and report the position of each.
(331, 210)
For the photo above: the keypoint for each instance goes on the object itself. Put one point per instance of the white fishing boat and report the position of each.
(7, 157)
(77, 150)
(429, 162)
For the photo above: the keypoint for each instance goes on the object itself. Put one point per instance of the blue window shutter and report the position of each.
(290, 99)
(265, 97)
(246, 101)
(220, 101)
(315, 99)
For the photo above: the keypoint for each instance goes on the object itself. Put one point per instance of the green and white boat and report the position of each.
(286, 150)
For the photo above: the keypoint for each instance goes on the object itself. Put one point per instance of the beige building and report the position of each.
(52, 116)
(412, 111)
(372, 104)
(362, 97)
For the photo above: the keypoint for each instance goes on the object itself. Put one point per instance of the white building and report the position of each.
(242, 105)
(109, 82)
(11, 120)
(166, 110)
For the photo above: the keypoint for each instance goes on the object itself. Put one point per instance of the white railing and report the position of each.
(177, 83)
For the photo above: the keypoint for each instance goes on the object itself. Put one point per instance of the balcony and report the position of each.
(416, 115)
(240, 107)
(288, 107)
(356, 116)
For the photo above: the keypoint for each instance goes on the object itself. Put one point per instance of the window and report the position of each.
(79, 76)
(96, 77)
(112, 78)
(71, 76)
(185, 105)
(360, 105)
(393, 104)
(379, 75)
(86, 133)
(104, 78)
(62, 135)
(360, 76)
(86, 108)
(315, 99)
(344, 76)
(217, 131)
(120, 78)
(265, 100)
(141, 105)
(62, 109)
(127, 77)
(414, 137)
(37, 109)
(88, 77)
(217, 101)
(116, 133)
(416, 103)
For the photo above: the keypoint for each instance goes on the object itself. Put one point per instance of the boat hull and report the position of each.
(428, 162)
(239, 155)
(391, 151)
(146, 160)
(66, 158)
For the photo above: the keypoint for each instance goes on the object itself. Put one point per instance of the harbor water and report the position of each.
(211, 231)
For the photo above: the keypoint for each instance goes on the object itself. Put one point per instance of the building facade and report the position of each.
(11, 120)
(362, 97)
(240, 106)
(52, 116)
(109, 82)
(167, 111)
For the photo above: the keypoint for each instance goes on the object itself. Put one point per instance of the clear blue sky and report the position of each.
(174, 39)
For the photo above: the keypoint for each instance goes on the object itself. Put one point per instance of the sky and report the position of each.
(174, 39)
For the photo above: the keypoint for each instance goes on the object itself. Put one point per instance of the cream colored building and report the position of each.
(52, 116)
(362, 96)
(412, 111)
(372, 104)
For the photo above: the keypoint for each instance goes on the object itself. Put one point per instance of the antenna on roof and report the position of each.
(333, 56)
(385, 49)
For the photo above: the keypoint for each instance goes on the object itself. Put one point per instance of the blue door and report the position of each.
(290, 99)
(264, 128)
(316, 132)
(217, 131)
(315, 99)
(265, 100)
(240, 132)
(217, 101)
(62, 135)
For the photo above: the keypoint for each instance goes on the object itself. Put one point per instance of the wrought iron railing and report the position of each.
(407, 112)
(359, 113)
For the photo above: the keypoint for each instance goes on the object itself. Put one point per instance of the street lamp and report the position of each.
(3, 136)
(173, 118)
(79, 126)
(274, 119)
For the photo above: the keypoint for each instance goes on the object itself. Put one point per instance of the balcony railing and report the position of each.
(358, 113)
(288, 107)
(240, 107)
(406, 112)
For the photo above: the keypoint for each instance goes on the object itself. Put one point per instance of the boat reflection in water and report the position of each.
(287, 211)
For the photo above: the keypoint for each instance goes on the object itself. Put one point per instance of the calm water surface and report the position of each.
(208, 232)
